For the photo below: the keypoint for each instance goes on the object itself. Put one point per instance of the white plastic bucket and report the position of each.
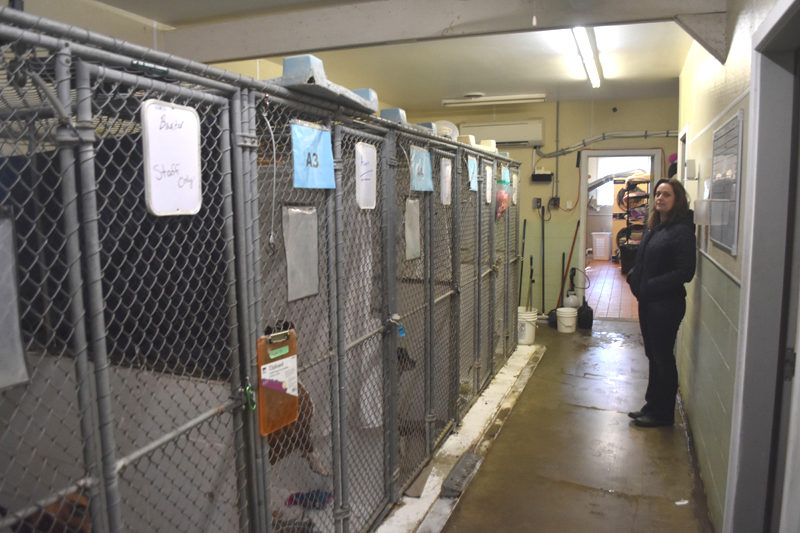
(567, 318)
(526, 326)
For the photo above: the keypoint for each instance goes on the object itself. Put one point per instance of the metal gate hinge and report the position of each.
(247, 141)
(789, 363)
(341, 513)
(70, 133)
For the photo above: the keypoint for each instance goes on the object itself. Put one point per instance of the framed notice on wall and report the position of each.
(726, 170)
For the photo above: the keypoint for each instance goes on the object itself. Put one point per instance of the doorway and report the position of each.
(615, 190)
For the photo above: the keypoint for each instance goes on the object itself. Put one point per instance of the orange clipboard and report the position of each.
(277, 381)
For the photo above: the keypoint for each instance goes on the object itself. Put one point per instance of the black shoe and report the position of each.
(649, 421)
(640, 413)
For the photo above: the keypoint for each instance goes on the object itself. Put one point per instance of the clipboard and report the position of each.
(277, 381)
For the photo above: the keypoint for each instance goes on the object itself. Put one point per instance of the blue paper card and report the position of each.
(505, 176)
(313, 157)
(472, 169)
(421, 170)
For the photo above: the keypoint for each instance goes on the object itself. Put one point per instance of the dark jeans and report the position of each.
(659, 322)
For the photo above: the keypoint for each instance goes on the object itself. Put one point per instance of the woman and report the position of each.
(664, 262)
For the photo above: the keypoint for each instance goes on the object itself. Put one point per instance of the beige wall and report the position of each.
(265, 69)
(99, 18)
(577, 121)
(710, 94)
(258, 69)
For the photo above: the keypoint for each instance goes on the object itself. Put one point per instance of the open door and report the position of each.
(615, 191)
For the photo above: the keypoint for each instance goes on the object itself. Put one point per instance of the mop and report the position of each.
(530, 289)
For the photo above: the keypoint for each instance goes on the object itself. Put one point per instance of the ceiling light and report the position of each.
(495, 100)
(588, 51)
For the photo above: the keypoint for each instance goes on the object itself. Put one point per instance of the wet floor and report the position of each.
(567, 457)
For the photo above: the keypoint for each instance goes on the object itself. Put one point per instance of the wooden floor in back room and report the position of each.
(608, 293)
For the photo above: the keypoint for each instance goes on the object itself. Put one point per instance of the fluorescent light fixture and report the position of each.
(588, 52)
(495, 100)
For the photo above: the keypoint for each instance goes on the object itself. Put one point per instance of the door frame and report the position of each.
(655, 154)
(755, 480)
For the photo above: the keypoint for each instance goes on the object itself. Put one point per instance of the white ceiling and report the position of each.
(639, 60)
(182, 12)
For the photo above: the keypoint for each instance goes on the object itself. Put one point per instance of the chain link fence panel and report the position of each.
(514, 264)
(468, 259)
(48, 439)
(139, 331)
(301, 455)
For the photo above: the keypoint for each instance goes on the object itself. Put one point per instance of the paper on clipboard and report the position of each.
(278, 401)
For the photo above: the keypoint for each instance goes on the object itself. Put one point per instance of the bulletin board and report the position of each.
(726, 170)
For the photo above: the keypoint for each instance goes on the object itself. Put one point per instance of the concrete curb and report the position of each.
(479, 427)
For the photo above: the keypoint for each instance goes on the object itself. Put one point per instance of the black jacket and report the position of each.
(665, 260)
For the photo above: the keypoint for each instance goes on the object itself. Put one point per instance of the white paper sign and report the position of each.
(13, 367)
(489, 180)
(446, 181)
(171, 136)
(412, 233)
(366, 174)
(514, 187)
(281, 375)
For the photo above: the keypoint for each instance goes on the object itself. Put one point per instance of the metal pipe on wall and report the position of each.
(541, 213)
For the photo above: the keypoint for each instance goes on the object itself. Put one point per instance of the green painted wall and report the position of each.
(710, 94)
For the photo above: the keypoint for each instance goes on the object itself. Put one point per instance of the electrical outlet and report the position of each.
(569, 204)
(555, 201)
(537, 203)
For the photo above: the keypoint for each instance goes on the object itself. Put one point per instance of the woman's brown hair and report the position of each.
(679, 208)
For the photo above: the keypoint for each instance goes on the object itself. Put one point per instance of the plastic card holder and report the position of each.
(472, 170)
(13, 366)
(312, 156)
(421, 171)
(300, 235)
(277, 381)
(505, 176)
(412, 230)
(487, 171)
(446, 181)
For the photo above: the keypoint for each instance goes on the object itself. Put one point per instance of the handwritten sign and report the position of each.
(366, 172)
(172, 182)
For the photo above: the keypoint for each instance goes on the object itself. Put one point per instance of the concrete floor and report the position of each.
(567, 457)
